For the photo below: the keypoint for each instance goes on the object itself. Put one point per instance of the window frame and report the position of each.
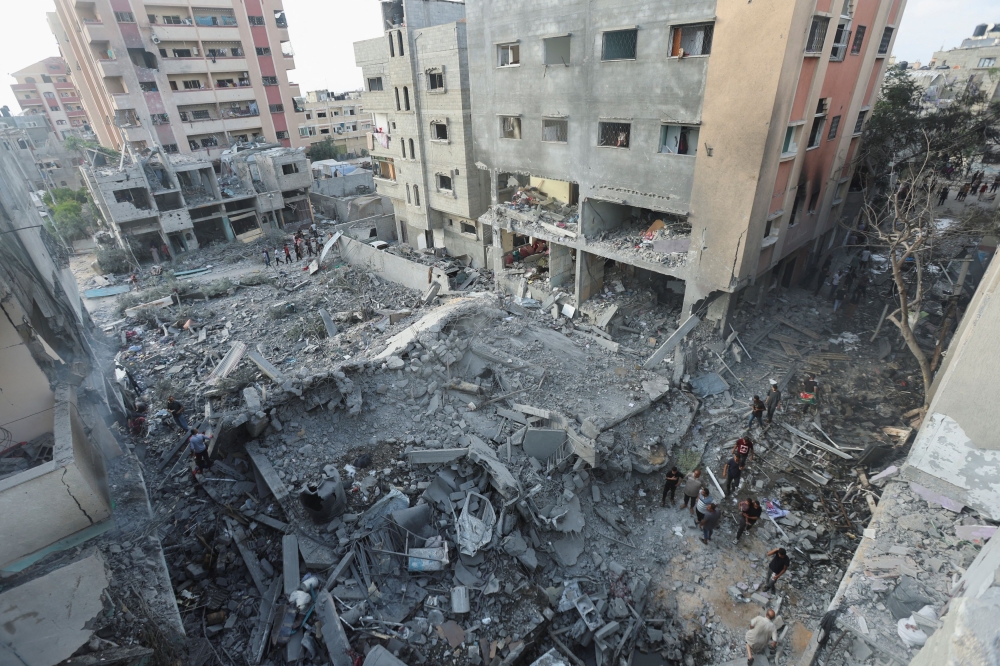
(514, 120)
(604, 44)
(509, 46)
(434, 132)
(831, 133)
(886, 42)
(601, 130)
(810, 47)
(381, 87)
(677, 36)
(859, 39)
(545, 50)
(438, 183)
(839, 51)
(556, 119)
(664, 129)
(790, 144)
(859, 123)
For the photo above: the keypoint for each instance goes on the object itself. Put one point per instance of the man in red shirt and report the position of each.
(743, 451)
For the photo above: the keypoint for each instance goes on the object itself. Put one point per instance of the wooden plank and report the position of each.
(815, 442)
(290, 562)
(671, 342)
(249, 556)
(265, 366)
(790, 350)
(801, 329)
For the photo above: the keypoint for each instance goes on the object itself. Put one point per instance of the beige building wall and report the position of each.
(343, 121)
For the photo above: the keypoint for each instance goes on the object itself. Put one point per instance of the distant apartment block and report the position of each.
(46, 89)
(705, 146)
(192, 79)
(971, 66)
(37, 149)
(340, 118)
(417, 90)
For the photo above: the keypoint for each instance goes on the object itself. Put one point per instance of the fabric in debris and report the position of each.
(773, 508)
(907, 598)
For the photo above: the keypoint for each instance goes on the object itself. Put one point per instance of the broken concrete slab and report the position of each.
(543, 443)
(337, 645)
(248, 554)
(932, 497)
(569, 549)
(432, 456)
(227, 364)
(709, 384)
(164, 302)
(315, 555)
(252, 397)
(379, 656)
(331, 328)
(290, 562)
(975, 532)
(265, 366)
(501, 478)
(678, 335)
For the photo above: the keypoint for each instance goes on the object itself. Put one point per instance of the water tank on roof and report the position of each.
(980, 30)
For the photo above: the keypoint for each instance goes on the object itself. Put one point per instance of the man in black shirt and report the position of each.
(670, 485)
(772, 401)
(734, 470)
(176, 410)
(777, 567)
(749, 515)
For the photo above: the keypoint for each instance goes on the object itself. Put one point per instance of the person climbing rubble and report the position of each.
(199, 449)
(692, 488)
(670, 485)
(176, 410)
(761, 628)
(776, 567)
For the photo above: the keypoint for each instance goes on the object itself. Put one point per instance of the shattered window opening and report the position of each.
(510, 127)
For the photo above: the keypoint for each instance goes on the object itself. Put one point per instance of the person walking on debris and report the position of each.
(776, 567)
(750, 511)
(692, 488)
(773, 401)
(298, 249)
(808, 395)
(199, 449)
(277, 257)
(756, 412)
(704, 500)
(835, 283)
(943, 195)
(732, 470)
(309, 246)
(761, 628)
(839, 296)
(670, 485)
(288, 255)
(743, 451)
(709, 522)
(176, 410)
(996, 184)
(267, 258)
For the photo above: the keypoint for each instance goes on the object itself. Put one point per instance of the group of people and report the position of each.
(977, 182)
(847, 284)
(303, 245)
(197, 441)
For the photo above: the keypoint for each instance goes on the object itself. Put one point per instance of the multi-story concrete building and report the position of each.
(417, 90)
(971, 65)
(706, 144)
(179, 200)
(190, 79)
(42, 159)
(340, 118)
(47, 88)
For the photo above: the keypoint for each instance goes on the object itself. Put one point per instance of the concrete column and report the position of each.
(720, 310)
(589, 276)
(228, 228)
(560, 265)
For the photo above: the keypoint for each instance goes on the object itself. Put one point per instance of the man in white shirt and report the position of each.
(761, 628)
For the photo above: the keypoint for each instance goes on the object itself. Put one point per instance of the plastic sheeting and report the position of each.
(475, 532)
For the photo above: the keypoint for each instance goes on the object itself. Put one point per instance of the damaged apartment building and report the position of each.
(417, 89)
(703, 146)
(182, 202)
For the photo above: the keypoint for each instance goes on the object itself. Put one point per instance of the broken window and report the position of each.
(859, 38)
(813, 202)
(375, 84)
(619, 44)
(510, 127)
(193, 84)
(678, 139)
(883, 46)
(816, 132)
(281, 134)
(279, 18)
(200, 114)
(555, 130)
(416, 196)
(817, 34)
(384, 168)
(860, 124)
(148, 86)
(160, 119)
(209, 141)
(692, 40)
(556, 50)
(444, 182)
(987, 62)
(440, 131)
(136, 196)
(614, 135)
(791, 143)
(182, 53)
(468, 228)
(508, 55)
(170, 148)
(172, 20)
(841, 39)
(834, 125)
(435, 80)
(289, 169)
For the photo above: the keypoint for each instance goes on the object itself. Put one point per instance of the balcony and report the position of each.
(121, 101)
(95, 31)
(201, 65)
(197, 96)
(34, 101)
(135, 133)
(237, 94)
(63, 85)
(22, 86)
(76, 114)
(109, 67)
(242, 123)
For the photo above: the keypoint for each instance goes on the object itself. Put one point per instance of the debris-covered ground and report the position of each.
(470, 481)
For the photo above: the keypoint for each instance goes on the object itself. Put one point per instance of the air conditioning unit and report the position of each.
(194, 51)
(156, 40)
(246, 75)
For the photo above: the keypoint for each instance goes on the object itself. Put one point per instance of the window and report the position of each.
(172, 20)
(170, 148)
(678, 140)
(200, 114)
(408, 199)
(60, 122)
(435, 80)
(49, 95)
(614, 135)
(399, 42)
(439, 131)
(182, 53)
(692, 40)
(817, 34)
(813, 202)
(406, 98)
(402, 146)
(269, 80)
(413, 153)
(281, 134)
(148, 86)
(209, 141)
(510, 127)
(841, 39)
(817, 131)
(619, 44)
(65, 94)
(883, 46)
(444, 182)
(279, 18)
(791, 143)
(392, 47)
(53, 108)
(834, 125)
(555, 50)
(508, 55)
(987, 62)
(124, 17)
(468, 228)
(193, 84)
(555, 130)
(375, 84)
(860, 124)
(289, 169)
(160, 119)
(416, 196)
(859, 39)
(276, 108)
(256, 20)
(151, 17)
(61, 79)
(384, 168)
(263, 50)
(398, 107)
(29, 79)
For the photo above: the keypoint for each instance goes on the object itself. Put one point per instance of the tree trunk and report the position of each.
(903, 324)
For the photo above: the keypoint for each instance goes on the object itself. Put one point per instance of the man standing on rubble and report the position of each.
(288, 255)
(773, 401)
(743, 451)
(756, 412)
(267, 257)
(709, 522)
(761, 628)
(808, 396)
(692, 488)
(750, 511)
(199, 449)
(777, 567)
(670, 485)
(705, 499)
(733, 471)
(176, 410)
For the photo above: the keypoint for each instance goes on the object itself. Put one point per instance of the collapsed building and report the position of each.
(183, 202)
